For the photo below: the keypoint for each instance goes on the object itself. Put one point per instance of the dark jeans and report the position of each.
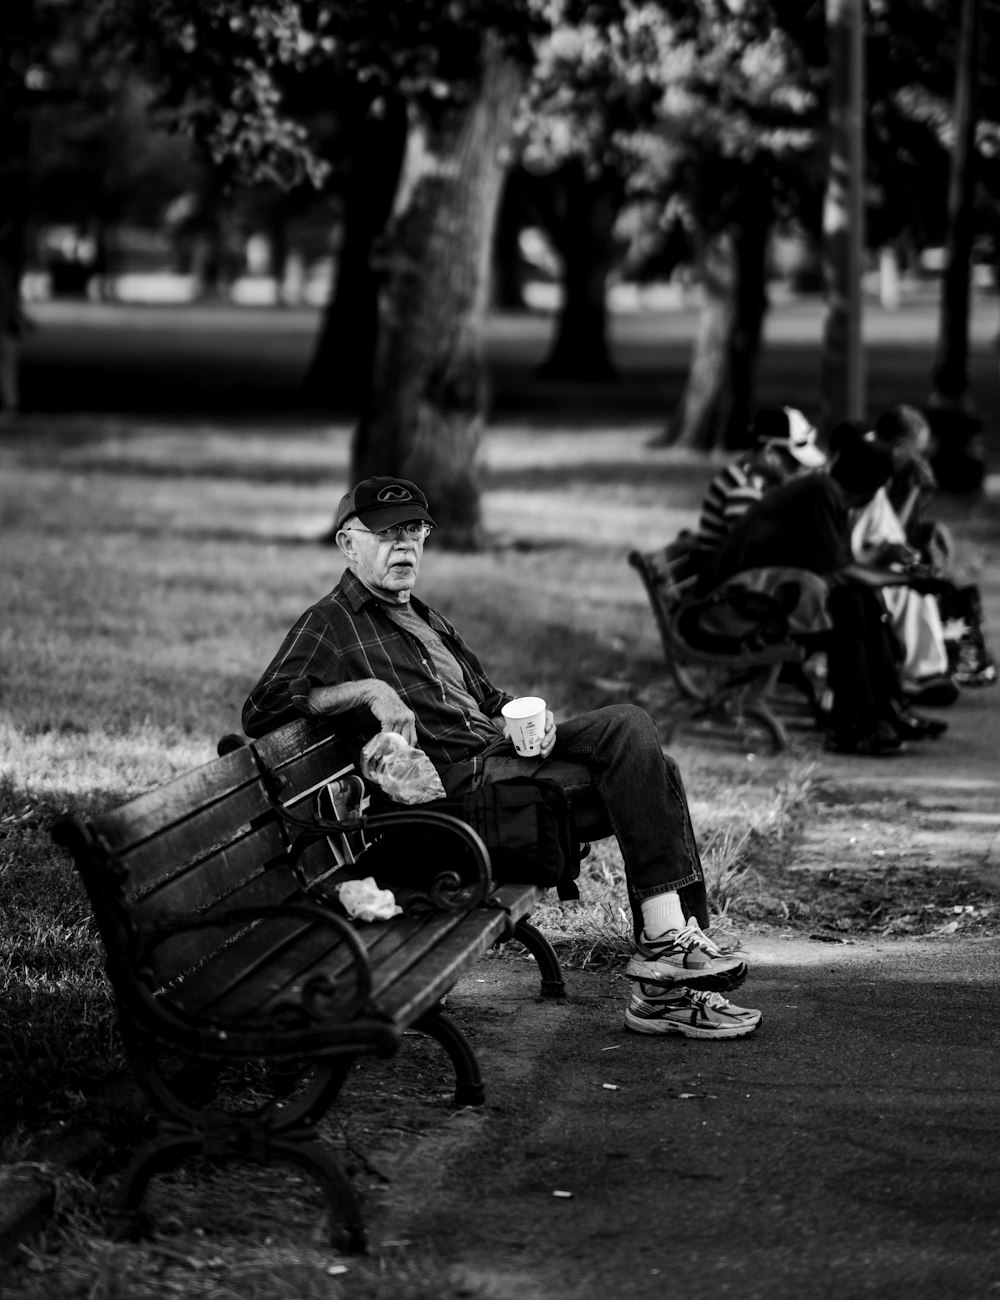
(863, 673)
(620, 783)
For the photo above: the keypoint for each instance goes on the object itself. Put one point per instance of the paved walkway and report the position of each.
(847, 1150)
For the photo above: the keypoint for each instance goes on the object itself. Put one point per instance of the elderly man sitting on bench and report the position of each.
(383, 660)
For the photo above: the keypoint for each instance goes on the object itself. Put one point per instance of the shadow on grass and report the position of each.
(684, 477)
(597, 473)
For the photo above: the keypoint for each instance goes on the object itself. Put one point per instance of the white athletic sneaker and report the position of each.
(716, 948)
(692, 1014)
(684, 957)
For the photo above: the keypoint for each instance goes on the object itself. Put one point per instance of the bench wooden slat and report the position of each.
(201, 788)
(239, 972)
(238, 979)
(177, 954)
(301, 778)
(282, 751)
(408, 994)
(197, 882)
(406, 997)
(188, 840)
(389, 964)
(223, 874)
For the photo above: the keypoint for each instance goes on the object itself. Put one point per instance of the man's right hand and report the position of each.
(390, 711)
(372, 693)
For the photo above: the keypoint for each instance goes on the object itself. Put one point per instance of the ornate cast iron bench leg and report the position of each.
(437, 1024)
(347, 1228)
(283, 1128)
(126, 1220)
(544, 954)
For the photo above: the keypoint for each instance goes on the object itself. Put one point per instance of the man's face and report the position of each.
(386, 563)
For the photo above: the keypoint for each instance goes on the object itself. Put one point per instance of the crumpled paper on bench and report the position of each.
(363, 900)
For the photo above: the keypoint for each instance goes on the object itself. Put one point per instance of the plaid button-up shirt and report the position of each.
(348, 636)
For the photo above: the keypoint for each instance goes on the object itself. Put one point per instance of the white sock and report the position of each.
(661, 913)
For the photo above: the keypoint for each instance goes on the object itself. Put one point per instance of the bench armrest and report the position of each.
(425, 869)
(414, 868)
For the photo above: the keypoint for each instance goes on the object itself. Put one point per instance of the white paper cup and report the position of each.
(526, 724)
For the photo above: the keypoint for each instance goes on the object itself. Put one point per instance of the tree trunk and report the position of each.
(959, 462)
(340, 371)
(715, 409)
(508, 270)
(842, 377)
(278, 249)
(752, 242)
(704, 406)
(951, 367)
(582, 229)
(10, 336)
(426, 410)
(15, 198)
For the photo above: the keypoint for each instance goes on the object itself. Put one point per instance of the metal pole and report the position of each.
(843, 370)
(951, 371)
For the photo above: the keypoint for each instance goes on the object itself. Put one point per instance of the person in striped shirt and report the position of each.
(784, 444)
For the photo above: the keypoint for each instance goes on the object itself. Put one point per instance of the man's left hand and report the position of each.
(549, 739)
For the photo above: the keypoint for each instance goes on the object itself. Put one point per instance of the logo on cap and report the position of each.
(395, 493)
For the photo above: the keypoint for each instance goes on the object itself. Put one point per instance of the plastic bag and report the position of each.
(363, 900)
(405, 773)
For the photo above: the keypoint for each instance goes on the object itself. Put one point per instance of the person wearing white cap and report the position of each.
(784, 444)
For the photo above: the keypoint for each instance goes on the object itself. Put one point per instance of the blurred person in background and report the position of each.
(906, 434)
(784, 445)
(795, 544)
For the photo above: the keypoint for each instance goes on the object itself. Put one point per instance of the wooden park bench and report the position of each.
(226, 948)
(728, 690)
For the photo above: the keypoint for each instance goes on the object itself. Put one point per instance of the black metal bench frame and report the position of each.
(225, 946)
(734, 690)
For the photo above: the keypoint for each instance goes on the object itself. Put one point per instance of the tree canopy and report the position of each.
(705, 118)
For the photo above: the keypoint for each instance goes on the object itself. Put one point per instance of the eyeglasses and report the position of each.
(415, 531)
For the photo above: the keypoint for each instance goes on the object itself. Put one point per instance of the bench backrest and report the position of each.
(206, 843)
(669, 582)
(728, 629)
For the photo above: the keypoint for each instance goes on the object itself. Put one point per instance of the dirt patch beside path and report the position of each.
(877, 861)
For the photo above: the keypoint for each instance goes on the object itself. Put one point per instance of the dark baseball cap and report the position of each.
(381, 502)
